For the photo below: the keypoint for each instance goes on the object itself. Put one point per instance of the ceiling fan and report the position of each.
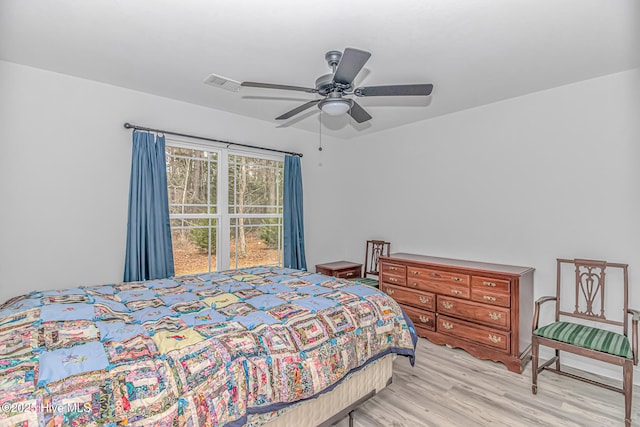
(335, 86)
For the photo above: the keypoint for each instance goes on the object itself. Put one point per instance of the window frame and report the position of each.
(223, 216)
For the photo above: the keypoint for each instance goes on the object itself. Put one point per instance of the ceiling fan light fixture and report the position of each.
(335, 107)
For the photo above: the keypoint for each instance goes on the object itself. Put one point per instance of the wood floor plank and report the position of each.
(448, 387)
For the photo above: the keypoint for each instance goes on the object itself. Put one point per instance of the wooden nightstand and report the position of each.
(340, 269)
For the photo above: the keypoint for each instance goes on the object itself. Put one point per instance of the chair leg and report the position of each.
(534, 365)
(627, 386)
(557, 360)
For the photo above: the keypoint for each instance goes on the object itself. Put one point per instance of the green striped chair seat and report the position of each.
(365, 281)
(587, 337)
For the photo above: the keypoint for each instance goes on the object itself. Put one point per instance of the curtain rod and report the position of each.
(136, 127)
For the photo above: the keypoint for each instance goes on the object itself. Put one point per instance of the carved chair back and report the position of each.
(375, 248)
(590, 295)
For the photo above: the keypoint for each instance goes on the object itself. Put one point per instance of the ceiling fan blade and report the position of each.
(299, 109)
(350, 64)
(395, 90)
(275, 86)
(358, 113)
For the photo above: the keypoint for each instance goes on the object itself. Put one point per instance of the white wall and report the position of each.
(65, 161)
(523, 181)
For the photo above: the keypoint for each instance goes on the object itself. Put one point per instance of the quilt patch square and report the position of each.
(151, 314)
(135, 348)
(254, 319)
(136, 294)
(265, 301)
(203, 317)
(54, 312)
(170, 324)
(103, 312)
(189, 307)
(52, 335)
(112, 304)
(217, 329)
(233, 286)
(144, 303)
(58, 364)
(141, 389)
(287, 311)
(308, 331)
(316, 279)
(341, 297)
(316, 303)
(221, 300)
(170, 300)
(167, 341)
(15, 342)
(118, 331)
(248, 293)
(237, 309)
(314, 290)
(276, 339)
(363, 312)
(338, 320)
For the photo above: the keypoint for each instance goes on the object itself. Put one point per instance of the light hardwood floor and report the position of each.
(449, 387)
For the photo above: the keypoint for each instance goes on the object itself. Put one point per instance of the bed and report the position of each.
(252, 346)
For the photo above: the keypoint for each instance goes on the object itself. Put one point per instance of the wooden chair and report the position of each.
(580, 325)
(374, 249)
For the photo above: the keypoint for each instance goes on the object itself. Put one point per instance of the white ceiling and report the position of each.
(474, 52)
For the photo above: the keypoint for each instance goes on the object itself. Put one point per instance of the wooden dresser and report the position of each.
(485, 309)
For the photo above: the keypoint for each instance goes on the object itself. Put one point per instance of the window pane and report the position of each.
(191, 180)
(255, 185)
(194, 245)
(255, 241)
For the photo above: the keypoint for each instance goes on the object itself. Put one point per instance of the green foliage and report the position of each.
(200, 236)
(270, 234)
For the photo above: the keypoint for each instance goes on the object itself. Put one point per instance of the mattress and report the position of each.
(212, 349)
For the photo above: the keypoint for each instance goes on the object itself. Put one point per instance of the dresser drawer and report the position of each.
(445, 288)
(481, 313)
(394, 269)
(393, 279)
(438, 276)
(424, 300)
(493, 338)
(482, 284)
(421, 318)
(494, 298)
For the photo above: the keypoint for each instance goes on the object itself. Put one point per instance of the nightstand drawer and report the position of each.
(340, 269)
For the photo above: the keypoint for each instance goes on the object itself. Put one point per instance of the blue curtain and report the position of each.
(149, 251)
(293, 216)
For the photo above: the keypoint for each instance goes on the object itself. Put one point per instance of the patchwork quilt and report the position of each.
(201, 350)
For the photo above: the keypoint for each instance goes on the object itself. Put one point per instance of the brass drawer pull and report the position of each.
(495, 339)
(424, 300)
(489, 284)
(456, 292)
(424, 319)
(495, 316)
(415, 272)
(447, 304)
(489, 298)
(413, 285)
(456, 279)
(349, 274)
(389, 291)
(393, 279)
(435, 275)
(393, 268)
(447, 325)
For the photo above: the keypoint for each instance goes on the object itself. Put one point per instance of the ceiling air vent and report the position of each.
(223, 83)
